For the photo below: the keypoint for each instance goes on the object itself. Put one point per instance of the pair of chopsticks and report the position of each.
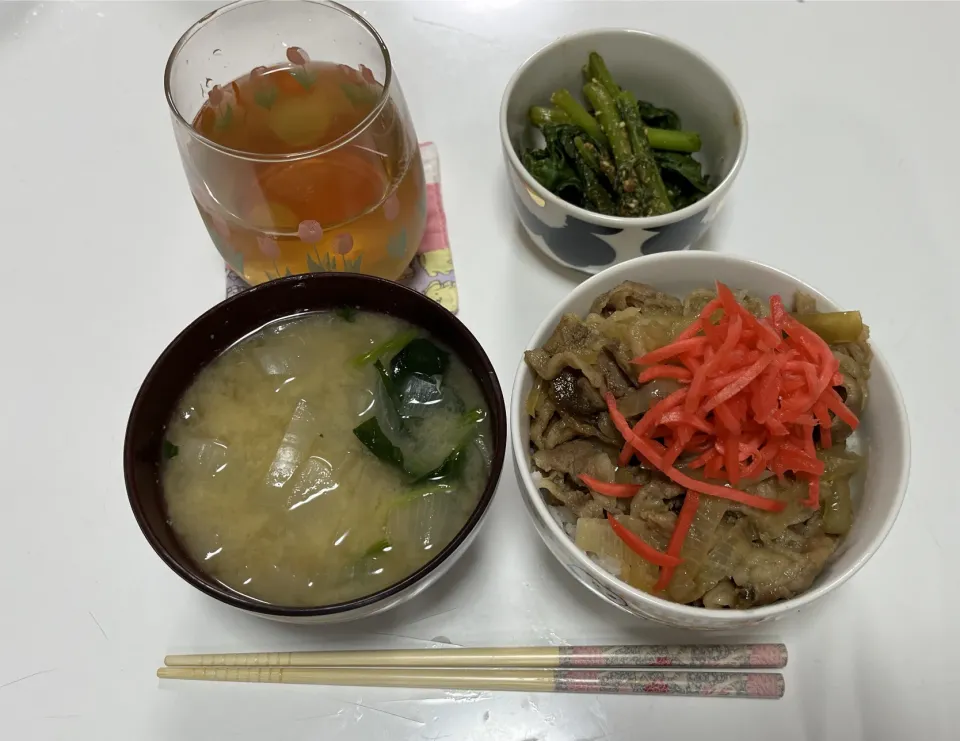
(583, 669)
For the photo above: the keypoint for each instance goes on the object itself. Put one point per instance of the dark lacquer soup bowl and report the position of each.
(234, 319)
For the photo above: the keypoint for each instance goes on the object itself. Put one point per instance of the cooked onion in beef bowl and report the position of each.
(700, 448)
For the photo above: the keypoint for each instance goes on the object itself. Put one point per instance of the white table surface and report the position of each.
(850, 182)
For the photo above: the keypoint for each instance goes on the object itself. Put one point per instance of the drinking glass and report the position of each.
(296, 140)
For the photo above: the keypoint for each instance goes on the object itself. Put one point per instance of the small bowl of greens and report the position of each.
(618, 144)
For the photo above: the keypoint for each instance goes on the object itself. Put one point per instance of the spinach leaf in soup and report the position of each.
(412, 391)
(347, 313)
(377, 548)
(474, 416)
(451, 468)
(389, 386)
(419, 356)
(376, 441)
(414, 377)
(394, 344)
(417, 372)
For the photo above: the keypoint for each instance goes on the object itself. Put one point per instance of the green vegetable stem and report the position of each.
(653, 193)
(589, 155)
(578, 115)
(674, 141)
(598, 158)
(669, 139)
(540, 116)
(599, 72)
(613, 126)
(588, 170)
(610, 122)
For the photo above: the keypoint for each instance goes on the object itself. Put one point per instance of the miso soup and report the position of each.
(325, 457)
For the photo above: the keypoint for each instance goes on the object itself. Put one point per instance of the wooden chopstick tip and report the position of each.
(182, 660)
(184, 672)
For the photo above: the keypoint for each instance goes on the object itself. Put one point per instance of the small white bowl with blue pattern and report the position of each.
(654, 68)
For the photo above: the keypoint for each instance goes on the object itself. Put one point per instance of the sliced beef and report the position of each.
(662, 488)
(543, 414)
(574, 394)
(615, 379)
(637, 295)
(607, 428)
(591, 427)
(549, 366)
(574, 335)
(722, 595)
(557, 433)
(572, 339)
(771, 525)
(580, 502)
(770, 573)
(577, 457)
(697, 300)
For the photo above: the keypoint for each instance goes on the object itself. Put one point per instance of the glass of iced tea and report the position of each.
(296, 140)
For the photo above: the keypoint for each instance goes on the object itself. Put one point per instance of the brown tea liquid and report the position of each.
(359, 207)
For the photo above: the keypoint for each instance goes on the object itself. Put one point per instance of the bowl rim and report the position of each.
(224, 594)
(623, 222)
(717, 618)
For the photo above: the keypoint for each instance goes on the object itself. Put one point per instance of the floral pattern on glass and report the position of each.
(268, 247)
(391, 207)
(343, 243)
(397, 246)
(296, 55)
(310, 231)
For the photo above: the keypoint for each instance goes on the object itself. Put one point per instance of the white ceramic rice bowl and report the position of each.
(884, 435)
